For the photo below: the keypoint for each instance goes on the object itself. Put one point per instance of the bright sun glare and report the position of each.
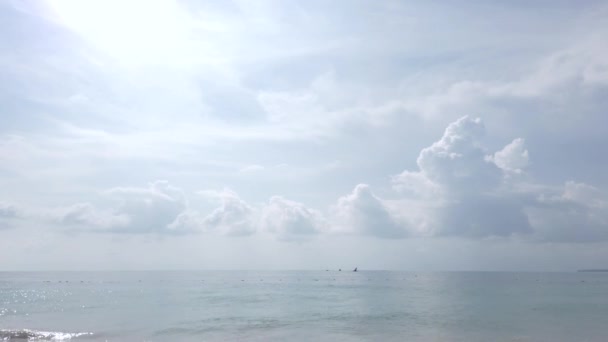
(134, 31)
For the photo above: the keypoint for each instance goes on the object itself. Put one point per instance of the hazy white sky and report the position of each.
(422, 135)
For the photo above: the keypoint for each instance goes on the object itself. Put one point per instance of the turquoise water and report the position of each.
(304, 306)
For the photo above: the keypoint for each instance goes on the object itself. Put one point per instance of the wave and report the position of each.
(34, 335)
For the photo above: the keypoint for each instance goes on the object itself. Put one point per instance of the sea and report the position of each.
(326, 305)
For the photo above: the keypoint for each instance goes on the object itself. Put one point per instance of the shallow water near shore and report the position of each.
(303, 306)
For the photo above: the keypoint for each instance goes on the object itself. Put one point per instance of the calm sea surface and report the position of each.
(303, 306)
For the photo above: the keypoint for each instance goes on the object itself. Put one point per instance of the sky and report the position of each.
(407, 135)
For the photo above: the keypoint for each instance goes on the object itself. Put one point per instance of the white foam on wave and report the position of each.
(35, 335)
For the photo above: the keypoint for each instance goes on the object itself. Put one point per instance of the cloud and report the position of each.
(129, 210)
(290, 220)
(513, 157)
(159, 208)
(149, 210)
(463, 192)
(321, 109)
(454, 165)
(287, 220)
(82, 215)
(87, 215)
(482, 216)
(416, 184)
(459, 189)
(233, 217)
(361, 212)
(578, 214)
(582, 64)
(462, 187)
(555, 79)
(583, 193)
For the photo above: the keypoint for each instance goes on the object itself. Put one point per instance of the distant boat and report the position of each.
(355, 270)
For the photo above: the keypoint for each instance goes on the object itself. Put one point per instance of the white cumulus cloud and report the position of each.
(149, 210)
(513, 157)
(232, 217)
(362, 212)
(291, 220)
(462, 187)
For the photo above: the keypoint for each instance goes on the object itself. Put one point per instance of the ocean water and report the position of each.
(303, 306)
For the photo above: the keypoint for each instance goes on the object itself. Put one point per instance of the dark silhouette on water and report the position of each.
(355, 270)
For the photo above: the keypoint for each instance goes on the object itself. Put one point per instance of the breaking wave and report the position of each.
(34, 335)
